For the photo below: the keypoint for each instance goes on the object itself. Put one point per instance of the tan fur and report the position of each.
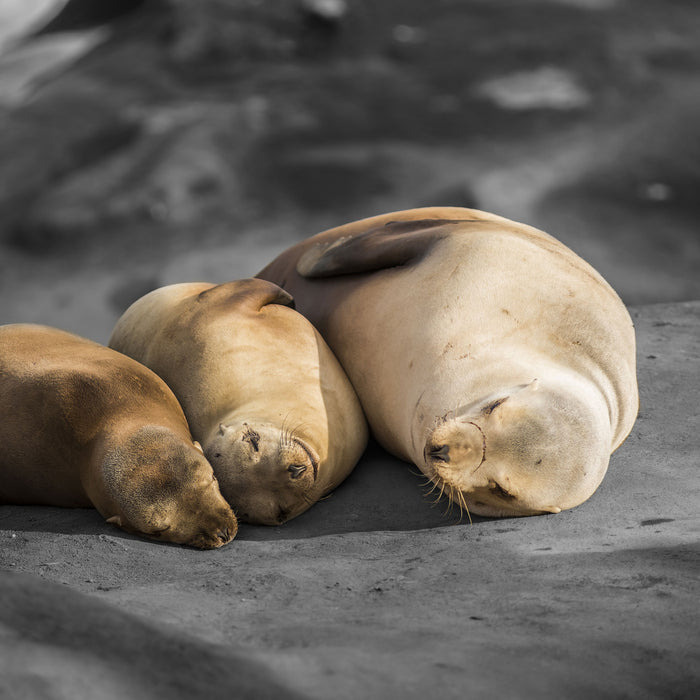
(273, 409)
(83, 425)
(443, 318)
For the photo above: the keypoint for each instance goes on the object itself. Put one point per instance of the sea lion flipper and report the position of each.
(394, 244)
(254, 293)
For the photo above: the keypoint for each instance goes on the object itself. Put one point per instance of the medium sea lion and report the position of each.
(482, 350)
(82, 425)
(277, 417)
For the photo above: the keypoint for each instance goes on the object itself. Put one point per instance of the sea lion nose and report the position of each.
(439, 452)
(296, 470)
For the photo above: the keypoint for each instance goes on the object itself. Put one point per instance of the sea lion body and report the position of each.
(84, 426)
(484, 351)
(274, 411)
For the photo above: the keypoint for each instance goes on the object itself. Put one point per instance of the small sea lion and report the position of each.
(275, 413)
(82, 425)
(483, 350)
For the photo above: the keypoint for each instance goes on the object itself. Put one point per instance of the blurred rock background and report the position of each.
(146, 142)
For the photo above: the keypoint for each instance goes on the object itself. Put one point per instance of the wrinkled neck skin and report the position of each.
(535, 440)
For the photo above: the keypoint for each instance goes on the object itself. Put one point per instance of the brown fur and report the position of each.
(83, 425)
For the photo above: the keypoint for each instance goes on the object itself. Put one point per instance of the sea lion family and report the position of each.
(482, 350)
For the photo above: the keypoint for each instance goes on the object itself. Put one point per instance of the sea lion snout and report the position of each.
(541, 451)
(440, 453)
(206, 521)
(455, 450)
(181, 526)
(468, 455)
(205, 539)
(219, 535)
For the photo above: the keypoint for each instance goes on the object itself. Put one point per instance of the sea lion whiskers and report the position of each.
(432, 489)
(450, 502)
(427, 492)
(434, 484)
(442, 484)
(454, 495)
(463, 504)
(288, 435)
(426, 481)
(285, 433)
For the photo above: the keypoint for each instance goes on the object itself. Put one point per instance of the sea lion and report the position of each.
(83, 425)
(277, 417)
(483, 350)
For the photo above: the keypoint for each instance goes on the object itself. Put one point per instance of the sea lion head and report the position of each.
(530, 449)
(267, 473)
(163, 487)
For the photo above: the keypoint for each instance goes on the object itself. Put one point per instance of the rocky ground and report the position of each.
(191, 141)
(377, 593)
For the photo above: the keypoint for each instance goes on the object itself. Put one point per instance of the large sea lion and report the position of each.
(82, 425)
(275, 413)
(482, 350)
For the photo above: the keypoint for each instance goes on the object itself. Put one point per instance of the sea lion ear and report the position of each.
(253, 293)
(391, 245)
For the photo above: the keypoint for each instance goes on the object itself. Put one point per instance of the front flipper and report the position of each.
(395, 244)
(250, 293)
